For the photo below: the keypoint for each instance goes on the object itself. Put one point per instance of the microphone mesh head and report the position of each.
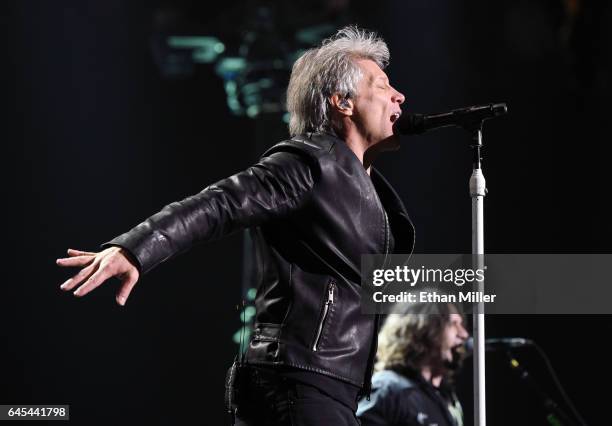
(499, 109)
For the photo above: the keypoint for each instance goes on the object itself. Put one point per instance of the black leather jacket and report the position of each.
(313, 211)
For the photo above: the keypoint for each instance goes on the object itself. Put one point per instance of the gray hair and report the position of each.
(327, 70)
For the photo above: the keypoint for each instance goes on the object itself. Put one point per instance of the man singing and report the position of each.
(314, 205)
(419, 350)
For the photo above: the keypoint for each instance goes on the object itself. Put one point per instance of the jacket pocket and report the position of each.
(325, 313)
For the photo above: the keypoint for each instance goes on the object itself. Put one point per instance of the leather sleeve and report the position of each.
(273, 188)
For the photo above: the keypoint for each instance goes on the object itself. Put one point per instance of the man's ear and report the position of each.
(342, 104)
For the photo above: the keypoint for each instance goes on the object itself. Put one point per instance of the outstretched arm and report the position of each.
(276, 186)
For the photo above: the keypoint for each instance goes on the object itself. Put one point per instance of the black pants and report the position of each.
(266, 398)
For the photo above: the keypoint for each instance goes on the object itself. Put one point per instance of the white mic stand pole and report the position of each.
(478, 191)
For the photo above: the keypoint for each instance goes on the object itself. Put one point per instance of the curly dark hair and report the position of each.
(411, 338)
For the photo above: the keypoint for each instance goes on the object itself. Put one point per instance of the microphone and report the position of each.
(500, 343)
(469, 118)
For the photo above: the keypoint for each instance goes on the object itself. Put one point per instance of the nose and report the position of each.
(398, 97)
(462, 332)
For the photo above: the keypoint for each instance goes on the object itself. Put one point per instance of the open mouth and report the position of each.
(395, 116)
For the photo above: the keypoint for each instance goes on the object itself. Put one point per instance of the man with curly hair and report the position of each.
(420, 347)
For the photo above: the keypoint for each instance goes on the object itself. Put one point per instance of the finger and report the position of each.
(70, 283)
(127, 285)
(94, 281)
(73, 252)
(75, 261)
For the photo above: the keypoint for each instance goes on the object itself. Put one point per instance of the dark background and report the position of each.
(96, 139)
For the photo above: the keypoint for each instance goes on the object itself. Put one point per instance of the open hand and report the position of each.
(99, 267)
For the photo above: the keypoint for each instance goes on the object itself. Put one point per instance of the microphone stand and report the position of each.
(478, 191)
(470, 119)
(555, 415)
(472, 122)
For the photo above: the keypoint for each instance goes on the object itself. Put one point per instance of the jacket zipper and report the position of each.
(387, 238)
(328, 303)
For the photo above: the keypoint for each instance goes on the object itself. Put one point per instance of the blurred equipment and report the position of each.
(555, 415)
(252, 46)
(496, 344)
